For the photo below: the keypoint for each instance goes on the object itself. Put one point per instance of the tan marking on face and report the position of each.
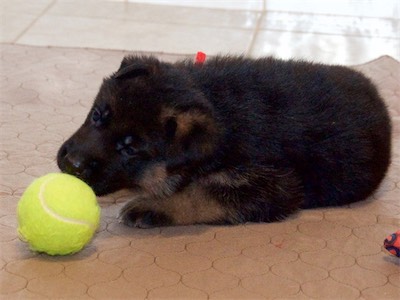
(186, 120)
(205, 138)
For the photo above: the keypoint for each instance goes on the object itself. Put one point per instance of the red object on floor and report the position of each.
(392, 243)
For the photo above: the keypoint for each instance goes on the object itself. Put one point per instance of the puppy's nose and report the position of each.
(74, 161)
(75, 164)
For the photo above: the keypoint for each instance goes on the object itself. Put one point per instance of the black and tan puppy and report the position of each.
(231, 140)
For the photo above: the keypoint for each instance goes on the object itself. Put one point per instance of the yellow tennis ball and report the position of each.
(58, 214)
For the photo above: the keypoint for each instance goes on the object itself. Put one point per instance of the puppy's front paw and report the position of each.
(136, 217)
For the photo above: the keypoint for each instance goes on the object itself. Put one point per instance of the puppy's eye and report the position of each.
(126, 148)
(96, 115)
(99, 117)
(128, 140)
(129, 151)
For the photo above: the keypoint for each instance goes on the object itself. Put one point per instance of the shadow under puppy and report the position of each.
(231, 140)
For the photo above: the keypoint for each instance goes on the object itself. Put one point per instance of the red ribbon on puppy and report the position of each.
(200, 58)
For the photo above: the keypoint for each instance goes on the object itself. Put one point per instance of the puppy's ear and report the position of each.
(191, 134)
(134, 66)
(131, 71)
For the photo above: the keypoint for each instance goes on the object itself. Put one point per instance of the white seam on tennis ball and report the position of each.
(53, 213)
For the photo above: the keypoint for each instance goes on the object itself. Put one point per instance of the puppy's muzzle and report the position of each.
(74, 162)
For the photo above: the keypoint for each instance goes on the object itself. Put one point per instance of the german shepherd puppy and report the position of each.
(231, 140)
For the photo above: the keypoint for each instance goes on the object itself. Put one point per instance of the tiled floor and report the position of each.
(334, 31)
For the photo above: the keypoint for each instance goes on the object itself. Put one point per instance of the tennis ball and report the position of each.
(58, 214)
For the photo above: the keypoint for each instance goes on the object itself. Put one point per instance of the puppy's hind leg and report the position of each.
(265, 194)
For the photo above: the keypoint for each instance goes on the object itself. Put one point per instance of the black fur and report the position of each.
(256, 139)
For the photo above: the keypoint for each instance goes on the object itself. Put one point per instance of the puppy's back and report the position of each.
(328, 122)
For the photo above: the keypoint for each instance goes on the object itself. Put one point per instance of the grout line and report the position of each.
(241, 9)
(334, 34)
(47, 8)
(256, 29)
